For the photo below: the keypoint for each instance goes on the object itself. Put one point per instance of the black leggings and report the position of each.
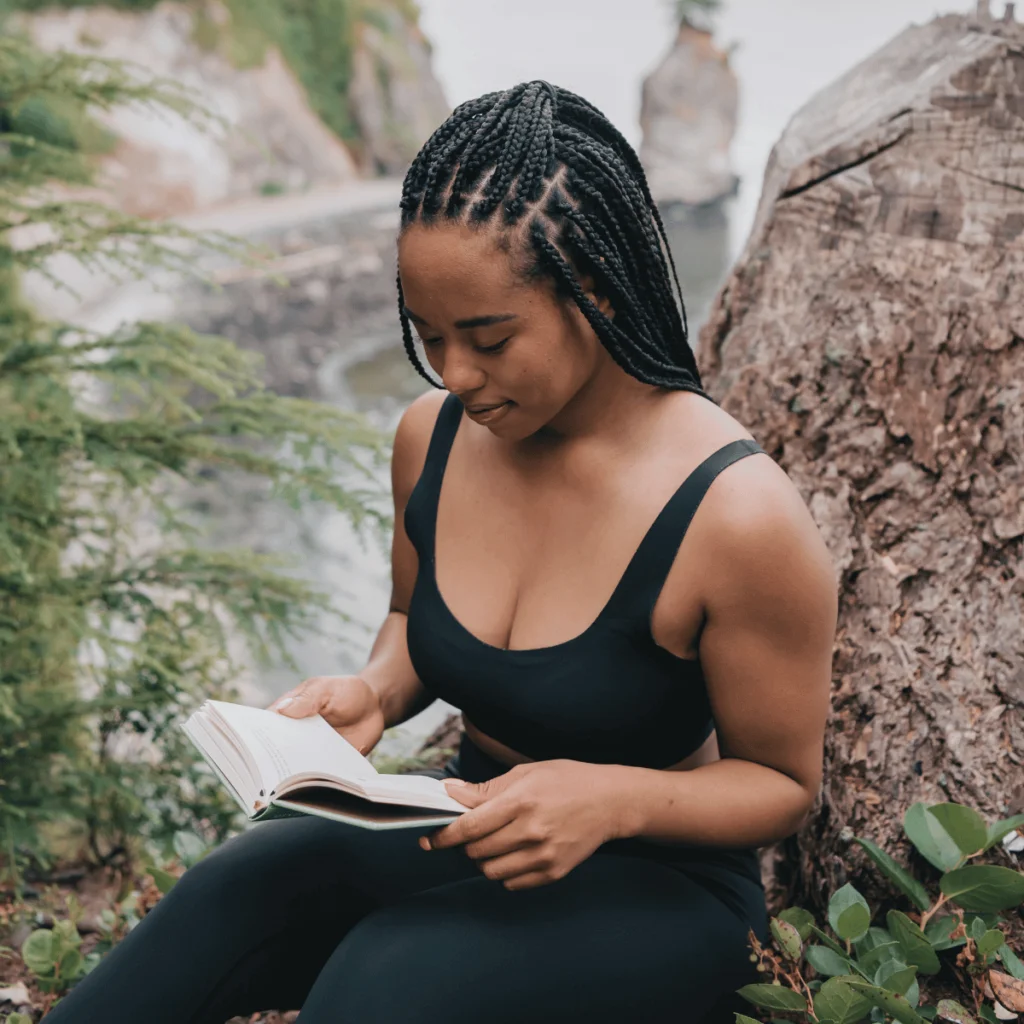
(363, 927)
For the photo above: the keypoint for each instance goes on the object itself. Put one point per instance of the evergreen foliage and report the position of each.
(115, 620)
(316, 39)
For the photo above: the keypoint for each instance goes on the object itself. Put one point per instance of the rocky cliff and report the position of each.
(308, 99)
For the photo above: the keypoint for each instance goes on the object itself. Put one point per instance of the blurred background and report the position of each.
(316, 175)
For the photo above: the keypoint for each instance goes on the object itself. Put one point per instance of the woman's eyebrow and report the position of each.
(475, 321)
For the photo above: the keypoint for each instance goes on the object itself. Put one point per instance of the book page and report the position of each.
(283, 747)
(417, 790)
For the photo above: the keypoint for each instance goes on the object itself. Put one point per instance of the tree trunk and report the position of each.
(871, 337)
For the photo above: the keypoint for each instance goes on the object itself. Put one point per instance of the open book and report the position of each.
(279, 767)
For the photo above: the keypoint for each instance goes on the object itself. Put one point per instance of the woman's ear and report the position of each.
(602, 302)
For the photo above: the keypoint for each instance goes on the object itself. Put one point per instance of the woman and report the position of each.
(644, 697)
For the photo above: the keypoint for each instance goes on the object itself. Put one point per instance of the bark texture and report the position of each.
(871, 337)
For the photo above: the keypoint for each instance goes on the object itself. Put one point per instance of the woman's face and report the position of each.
(493, 340)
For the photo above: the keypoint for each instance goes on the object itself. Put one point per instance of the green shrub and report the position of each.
(105, 636)
(865, 972)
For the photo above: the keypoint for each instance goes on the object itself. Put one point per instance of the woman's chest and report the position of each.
(527, 561)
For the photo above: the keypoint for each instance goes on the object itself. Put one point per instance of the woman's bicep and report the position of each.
(767, 643)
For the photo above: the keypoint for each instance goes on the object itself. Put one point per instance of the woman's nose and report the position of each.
(460, 372)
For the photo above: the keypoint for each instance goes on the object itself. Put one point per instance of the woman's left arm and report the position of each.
(766, 651)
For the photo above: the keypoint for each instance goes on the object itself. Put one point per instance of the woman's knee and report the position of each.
(388, 968)
(272, 860)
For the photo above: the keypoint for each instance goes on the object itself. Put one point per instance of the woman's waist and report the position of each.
(476, 765)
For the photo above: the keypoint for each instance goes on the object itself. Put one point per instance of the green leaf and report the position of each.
(976, 927)
(895, 1005)
(802, 920)
(984, 887)
(837, 1003)
(895, 977)
(773, 997)
(787, 937)
(163, 880)
(951, 1010)
(826, 961)
(1002, 828)
(19, 1018)
(938, 931)
(189, 847)
(70, 965)
(744, 1019)
(917, 950)
(848, 913)
(989, 1015)
(965, 826)
(829, 941)
(871, 959)
(1011, 962)
(990, 941)
(37, 952)
(899, 876)
(933, 842)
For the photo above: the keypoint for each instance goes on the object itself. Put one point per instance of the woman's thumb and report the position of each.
(297, 705)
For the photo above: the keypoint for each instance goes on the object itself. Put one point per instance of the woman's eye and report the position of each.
(496, 348)
(431, 341)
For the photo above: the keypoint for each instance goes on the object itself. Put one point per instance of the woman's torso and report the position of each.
(550, 604)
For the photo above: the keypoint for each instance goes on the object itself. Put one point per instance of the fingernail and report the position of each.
(455, 782)
(284, 703)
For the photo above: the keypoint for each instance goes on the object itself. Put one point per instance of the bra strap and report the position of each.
(428, 488)
(641, 583)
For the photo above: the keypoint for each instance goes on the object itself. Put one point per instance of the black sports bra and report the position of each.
(609, 695)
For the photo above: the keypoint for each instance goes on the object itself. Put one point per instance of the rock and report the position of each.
(871, 338)
(164, 166)
(395, 98)
(688, 116)
(17, 995)
(445, 737)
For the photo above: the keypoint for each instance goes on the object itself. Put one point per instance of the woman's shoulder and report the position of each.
(412, 439)
(753, 518)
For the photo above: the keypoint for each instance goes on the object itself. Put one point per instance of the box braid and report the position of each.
(567, 190)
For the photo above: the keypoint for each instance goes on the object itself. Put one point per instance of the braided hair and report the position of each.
(569, 196)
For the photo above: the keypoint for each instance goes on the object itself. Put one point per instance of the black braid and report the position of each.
(551, 173)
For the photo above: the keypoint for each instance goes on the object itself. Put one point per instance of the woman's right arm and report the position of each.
(387, 691)
(389, 670)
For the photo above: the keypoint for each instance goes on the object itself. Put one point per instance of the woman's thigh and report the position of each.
(618, 938)
(284, 887)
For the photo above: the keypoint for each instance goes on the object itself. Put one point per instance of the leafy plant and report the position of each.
(115, 617)
(865, 972)
(702, 9)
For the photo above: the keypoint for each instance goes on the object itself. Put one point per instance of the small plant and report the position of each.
(864, 972)
(687, 10)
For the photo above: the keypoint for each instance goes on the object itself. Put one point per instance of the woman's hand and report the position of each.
(534, 823)
(348, 703)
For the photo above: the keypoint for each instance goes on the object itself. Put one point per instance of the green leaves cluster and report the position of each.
(116, 618)
(866, 972)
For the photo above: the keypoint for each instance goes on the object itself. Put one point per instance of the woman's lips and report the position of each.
(487, 414)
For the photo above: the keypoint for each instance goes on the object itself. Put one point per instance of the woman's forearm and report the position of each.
(729, 802)
(390, 673)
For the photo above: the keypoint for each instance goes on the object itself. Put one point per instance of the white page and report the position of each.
(419, 790)
(206, 737)
(283, 746)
